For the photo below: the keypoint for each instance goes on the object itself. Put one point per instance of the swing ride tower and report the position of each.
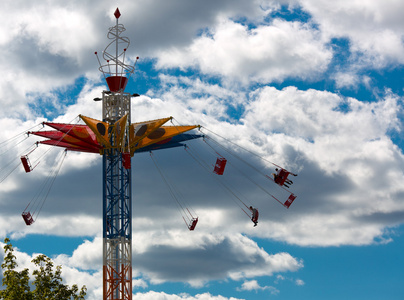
(117, 196)
(117, 140)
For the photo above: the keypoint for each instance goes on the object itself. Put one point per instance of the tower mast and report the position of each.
(117, 196)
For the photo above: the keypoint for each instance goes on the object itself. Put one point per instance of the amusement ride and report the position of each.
(117, 139)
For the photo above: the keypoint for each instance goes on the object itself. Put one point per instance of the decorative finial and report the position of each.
(117, 13)
(116, 71)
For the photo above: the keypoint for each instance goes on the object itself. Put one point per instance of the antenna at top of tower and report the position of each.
(115, 70)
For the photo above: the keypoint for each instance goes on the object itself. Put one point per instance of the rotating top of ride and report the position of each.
(115, 130)
(115, 70)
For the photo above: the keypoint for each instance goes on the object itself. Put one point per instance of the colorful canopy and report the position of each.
(96, 136)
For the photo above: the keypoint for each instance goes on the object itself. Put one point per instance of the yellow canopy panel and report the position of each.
(104, 131)
(100, 130)
(161, 134)
(139, 131)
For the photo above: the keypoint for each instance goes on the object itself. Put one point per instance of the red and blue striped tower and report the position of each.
(117, 196)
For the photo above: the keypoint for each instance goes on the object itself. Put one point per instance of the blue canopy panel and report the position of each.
(176, 141)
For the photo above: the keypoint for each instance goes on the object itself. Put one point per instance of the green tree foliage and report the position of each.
(47, 282)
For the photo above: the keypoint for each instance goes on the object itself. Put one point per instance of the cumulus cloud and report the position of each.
(200, 259)
(214, 257)
(53, 41)
(350, 146)
(254, 286)
(373, 28)
(310, 132)
(164, 296)
(47, 47)
(265, 54)
(223, 258)
(299, 282)
(200, 98)
(346, 80)
(342, 145)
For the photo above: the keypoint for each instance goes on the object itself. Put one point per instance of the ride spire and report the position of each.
(115, 70)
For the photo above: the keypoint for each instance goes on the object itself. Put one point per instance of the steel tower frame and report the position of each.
(117, 207)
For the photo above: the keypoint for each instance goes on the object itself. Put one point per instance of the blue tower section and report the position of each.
(117, 196)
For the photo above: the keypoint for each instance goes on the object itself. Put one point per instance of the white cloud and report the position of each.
(164, 296)
(139, 283)
(189, 101)
(346, 80)
(211, 257)
(48, 47)
(175, 256)
(339, 144)
(299, 282)
(254, 286)
(87, 256)
(61, 53)
(307, 131)
(263, 54)
(336, 129)
(348, 143)
(241, 252)
(373, 27)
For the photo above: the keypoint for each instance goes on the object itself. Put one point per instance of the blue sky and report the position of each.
(310, 85)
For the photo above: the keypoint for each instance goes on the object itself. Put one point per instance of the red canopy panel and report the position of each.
(58, 137)
(81, 132)
(69, 147)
